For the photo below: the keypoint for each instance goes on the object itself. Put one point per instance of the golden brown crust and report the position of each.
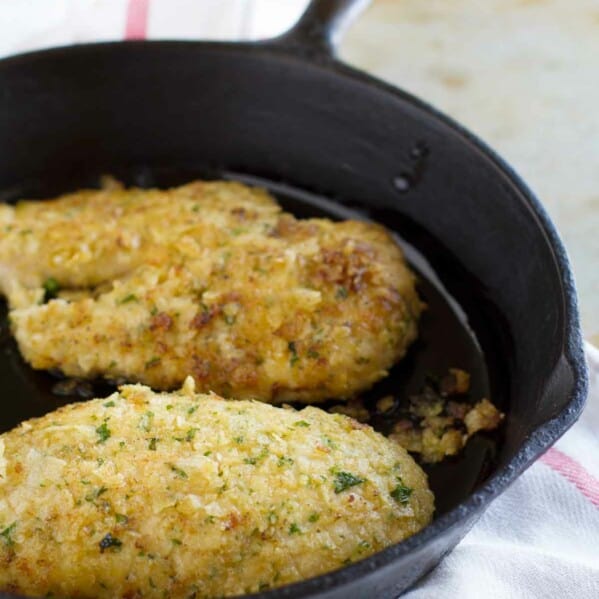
(179, 495)
(208, 279)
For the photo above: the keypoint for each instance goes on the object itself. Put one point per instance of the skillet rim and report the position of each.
(544, 435)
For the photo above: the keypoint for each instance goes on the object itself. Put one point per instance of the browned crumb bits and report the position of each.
(484, 416)
(456, 382)
(385, 404)
(435, 426)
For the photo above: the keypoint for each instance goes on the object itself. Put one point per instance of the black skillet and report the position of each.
(327, 140)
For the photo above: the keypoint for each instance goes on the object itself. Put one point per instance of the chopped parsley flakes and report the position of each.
(6, 535)
(180, 473)
(145, 422)
(103, 432)
(51, 288)
(342, 292)
(91, 497)
(401, 493)
(345, 480)
(128, 298)
(293, 350)
(152, 362)
(255, 459)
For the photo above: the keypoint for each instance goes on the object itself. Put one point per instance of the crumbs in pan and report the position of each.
(438, 421)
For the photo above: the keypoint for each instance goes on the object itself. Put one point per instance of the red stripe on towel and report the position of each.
(573, 472)
(136, 26)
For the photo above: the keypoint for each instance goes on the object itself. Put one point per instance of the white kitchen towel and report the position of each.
(34, 24)
(540, 539)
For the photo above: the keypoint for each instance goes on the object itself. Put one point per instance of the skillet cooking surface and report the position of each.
(449, 335)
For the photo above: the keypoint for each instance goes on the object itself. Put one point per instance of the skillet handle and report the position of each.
(318, 30)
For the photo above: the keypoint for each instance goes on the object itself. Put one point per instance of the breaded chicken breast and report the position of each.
(211, 280)
(185, 495)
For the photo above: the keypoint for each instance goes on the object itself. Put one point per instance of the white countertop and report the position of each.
(522, 74)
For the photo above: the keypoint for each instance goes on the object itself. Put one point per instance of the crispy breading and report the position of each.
(186, 495)
(211, 280)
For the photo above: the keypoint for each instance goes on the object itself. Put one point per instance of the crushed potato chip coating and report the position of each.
(212, 280)
(147, 494)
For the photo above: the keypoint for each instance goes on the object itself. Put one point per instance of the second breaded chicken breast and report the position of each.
(182, 495)
(211, 280)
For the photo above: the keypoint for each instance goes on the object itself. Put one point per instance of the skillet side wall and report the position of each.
(258, 110)
(67, 112)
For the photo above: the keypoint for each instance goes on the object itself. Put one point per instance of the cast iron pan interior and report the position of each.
(450, 336)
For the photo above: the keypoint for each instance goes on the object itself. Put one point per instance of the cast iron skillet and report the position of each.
(327, 140)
